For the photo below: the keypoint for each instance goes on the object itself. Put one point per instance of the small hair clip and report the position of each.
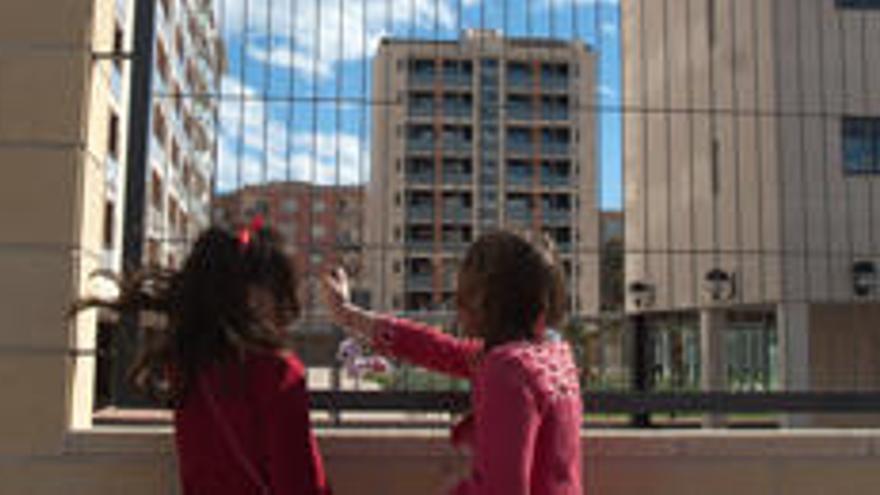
(246, 235)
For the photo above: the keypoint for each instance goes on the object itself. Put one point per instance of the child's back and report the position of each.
(530, 390)
(252, 430)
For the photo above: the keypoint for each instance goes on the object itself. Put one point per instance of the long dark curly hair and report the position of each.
(203, 314)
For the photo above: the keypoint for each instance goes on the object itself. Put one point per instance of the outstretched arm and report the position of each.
(417, 343)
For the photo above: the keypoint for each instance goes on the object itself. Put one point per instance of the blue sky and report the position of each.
(303, 69)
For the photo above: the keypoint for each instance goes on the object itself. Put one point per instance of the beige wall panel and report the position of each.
(41, 188)
(765, 64)
(785, 46)
(872, 68)
(42, 22)
(681, 213)
(678, 51)
(851, 55)
(771, 261)
(657, 196)
(745, 55)
(663, 476)
(699, 54)
(86, 476)
(820, 206)
(750, 211)
(36, 290)
(808, 52)
(653, 60)
(791, 162)
(630, 43)
(821, 477)
(41, 95)
(730, 194)
(722, 52)
(33, 419)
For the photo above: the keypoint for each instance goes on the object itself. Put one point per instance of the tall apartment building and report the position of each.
(322, 228)
(473, 135)
(751, 145)
(189, 59)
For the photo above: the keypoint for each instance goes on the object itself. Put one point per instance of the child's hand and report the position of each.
(335, 289)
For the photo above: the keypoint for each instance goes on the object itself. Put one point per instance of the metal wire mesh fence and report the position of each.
(706, 169)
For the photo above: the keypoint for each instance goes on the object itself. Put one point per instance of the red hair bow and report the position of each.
(245, 235)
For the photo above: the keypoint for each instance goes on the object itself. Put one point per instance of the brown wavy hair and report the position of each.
(201, 315)
(508, 281)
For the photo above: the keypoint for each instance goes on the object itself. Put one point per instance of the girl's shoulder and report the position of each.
(548, 366)
(275, 366)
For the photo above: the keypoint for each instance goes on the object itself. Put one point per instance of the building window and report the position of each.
(118, 46)
(318, 231)
(109, 214)
(319, 206)
(113, 136)
(156, 190)
(858, 4)
(861, 145)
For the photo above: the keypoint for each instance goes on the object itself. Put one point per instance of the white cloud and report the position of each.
(606, 91)
(608, 28)
(314, 35)
(255, 145)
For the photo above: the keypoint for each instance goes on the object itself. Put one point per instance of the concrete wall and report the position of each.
(407, 462)
(768, 82)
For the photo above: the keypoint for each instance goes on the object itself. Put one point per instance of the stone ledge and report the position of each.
(433, 442)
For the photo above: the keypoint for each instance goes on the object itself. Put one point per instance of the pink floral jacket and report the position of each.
(525, 429)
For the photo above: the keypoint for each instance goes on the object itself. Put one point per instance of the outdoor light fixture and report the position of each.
(719, 285)
(642, 294)
(864, 275)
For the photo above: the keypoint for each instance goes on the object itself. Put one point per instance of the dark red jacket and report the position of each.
(264, 403)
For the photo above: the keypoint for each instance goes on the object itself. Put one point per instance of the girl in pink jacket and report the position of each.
(525, 425)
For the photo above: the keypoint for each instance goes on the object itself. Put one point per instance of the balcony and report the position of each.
(419, 282)
(556, 216)
(455, 243)
(555, 148)
(519, 178)
(457, 145)
(520, 81)
(457, 178)
(520, 147)
(457, 214)
(420, 177)
(519, 214)
(458, 110)
(555, 83)
(420, 213)
(420, 144)
(428, 78)
(421, 109)
(555, 114)
(421, 244)
(555, 180)
(520, 112)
